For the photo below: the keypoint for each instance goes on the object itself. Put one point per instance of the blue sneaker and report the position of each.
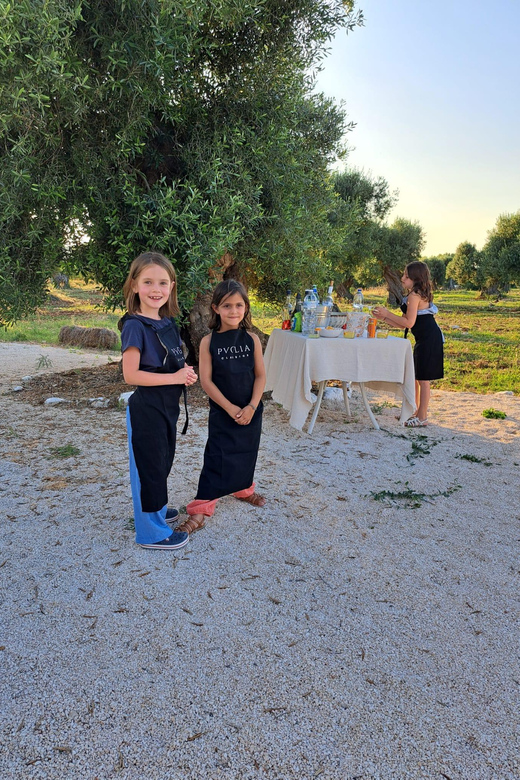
(172, 515)
(175, 541)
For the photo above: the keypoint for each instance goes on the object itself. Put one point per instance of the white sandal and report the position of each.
(414, 422)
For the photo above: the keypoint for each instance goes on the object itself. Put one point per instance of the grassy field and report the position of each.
(79, 305)
(482, 349)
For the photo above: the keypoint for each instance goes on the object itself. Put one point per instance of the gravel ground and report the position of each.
(334, 634)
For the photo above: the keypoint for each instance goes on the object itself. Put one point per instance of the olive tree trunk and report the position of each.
(197, 327)
(394, 285)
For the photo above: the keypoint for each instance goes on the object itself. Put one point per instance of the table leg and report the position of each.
(321, 388)
(367, 406)
(344, 387)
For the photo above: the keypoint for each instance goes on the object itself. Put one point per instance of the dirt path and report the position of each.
(364, 623)
(19, 359)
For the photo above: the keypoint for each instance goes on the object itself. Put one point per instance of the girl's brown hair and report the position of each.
(171, 307)
(419, 273)
(220, 293)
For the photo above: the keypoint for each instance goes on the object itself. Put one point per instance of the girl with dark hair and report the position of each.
(232, 373)
(153, 360)
(418, 316)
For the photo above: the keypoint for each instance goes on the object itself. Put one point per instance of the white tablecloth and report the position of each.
(293, 362)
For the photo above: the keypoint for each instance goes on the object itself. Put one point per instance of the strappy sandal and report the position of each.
(414, 422)
(190, 525)
(255, 499)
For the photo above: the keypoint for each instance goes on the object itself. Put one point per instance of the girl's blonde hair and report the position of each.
(419, 273)
(171, 307)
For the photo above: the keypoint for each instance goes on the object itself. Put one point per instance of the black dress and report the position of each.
(232, 449)
(428, 352)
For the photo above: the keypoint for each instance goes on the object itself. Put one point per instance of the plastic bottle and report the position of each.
(357, 303)
(309, 312)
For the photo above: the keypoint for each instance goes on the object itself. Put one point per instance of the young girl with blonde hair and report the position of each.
(153, 360)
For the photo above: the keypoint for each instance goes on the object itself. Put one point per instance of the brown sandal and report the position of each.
(255, 499)
(190, 525)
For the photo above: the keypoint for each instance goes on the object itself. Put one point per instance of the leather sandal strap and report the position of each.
(255, 499)
(190, 525)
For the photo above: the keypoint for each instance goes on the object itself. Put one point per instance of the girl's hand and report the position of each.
(185, 376)
(233, 411)
(380, 312)
(245, 415)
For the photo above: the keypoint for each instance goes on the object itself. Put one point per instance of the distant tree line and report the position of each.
(492, 270)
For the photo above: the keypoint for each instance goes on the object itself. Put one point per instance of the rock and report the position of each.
(99, 403)
(96, 338)
(26, 378)
(455, 327)
(123, 398)
(17, 388)
(333, 398)
(505, 392)
(55, 401)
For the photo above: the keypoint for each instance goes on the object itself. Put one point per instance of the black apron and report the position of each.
(154, 412)
(428, 351)
(232, 449)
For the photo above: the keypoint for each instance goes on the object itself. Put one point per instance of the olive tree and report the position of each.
(191, 128)
(398, 244)
(362, 203)
(501, 254)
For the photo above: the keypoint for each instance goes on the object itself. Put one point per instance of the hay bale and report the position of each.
(92, 338)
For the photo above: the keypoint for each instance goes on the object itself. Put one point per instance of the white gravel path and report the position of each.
(329, 635)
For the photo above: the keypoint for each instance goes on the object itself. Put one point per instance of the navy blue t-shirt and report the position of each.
(136, 334)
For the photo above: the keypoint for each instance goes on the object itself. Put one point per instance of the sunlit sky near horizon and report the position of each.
(434, 90)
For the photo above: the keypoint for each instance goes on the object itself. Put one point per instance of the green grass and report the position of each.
(494, 414)
(67, 451)
(482, 349)
(483, 356)
(81, 305)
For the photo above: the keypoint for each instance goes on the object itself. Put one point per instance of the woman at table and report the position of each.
(419, 316)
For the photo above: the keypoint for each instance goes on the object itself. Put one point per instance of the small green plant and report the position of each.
(494, 414)
(474, 459)
(420, 447)
(67, 451)
(378, 408)
(411, 498)
(43, 362)
(130, 524)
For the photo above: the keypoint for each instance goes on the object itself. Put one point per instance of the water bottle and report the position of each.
(309, 312)
(357, 303)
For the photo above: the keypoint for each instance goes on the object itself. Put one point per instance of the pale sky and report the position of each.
(434, 89)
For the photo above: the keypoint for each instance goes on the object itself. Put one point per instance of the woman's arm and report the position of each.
(399, 321)
(133, 375)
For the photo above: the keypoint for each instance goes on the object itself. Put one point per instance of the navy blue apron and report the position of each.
(232, 449)
(154, 412)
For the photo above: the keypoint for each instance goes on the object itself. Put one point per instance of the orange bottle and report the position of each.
(371, 328)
